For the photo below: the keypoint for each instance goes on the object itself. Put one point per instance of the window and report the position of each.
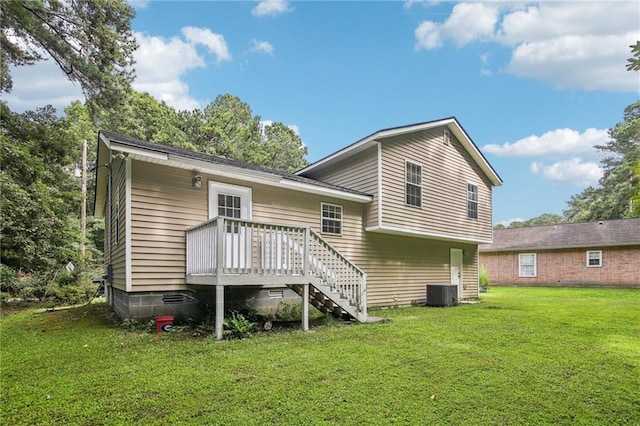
(413, 186)
(594, 259)
(527, 264)
(472, 201)
(229, 206)
(331, 219)
(446, 136)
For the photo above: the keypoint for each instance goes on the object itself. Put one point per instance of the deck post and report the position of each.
(219, 311)
(306, 254)
(305, 307)
(220, 246)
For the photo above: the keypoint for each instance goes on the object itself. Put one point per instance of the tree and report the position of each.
(282, 149)
(611, 199)
(635, 198)
(143, 117)
(40, 198)
(227, 128)
(634, 61)
(91, 41)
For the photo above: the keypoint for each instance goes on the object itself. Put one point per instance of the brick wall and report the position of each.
(620, 268)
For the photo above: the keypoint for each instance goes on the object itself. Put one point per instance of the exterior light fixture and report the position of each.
(197, 182)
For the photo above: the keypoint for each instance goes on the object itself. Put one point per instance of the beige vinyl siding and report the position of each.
(400, 267)
(118, 208)
(446, 170)
(360, 173)
(163, 205)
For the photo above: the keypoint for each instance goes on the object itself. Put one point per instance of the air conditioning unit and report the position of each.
(442, 295)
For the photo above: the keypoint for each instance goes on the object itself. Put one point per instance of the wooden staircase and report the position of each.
(329, 302)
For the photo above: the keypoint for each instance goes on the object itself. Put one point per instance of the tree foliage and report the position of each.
(634, 61)
(225, 128)
(543, 219)
(612, 198)
(91, 41)
(40, 197)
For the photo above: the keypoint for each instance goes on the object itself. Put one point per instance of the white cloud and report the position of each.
(408, 4)
(468, 22)
(138, 4)
(41, 84)
(271, 7)
(261, 47)
(574, 171)
(160, 64)
(557, 142)
(215, 43)
(583, 62)
(580, 45)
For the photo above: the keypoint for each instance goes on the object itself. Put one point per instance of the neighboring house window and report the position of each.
(229, 206)
(331, 219)
(472, 201)
(594, 259)
(527, 264)
(413, 184)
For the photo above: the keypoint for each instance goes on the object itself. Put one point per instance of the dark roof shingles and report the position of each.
(166, 149)
(588, 234)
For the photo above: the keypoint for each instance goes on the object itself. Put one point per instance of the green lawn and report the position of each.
(521, 356)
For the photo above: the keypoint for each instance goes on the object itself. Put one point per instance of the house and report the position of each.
(605, 253)
(370, 225)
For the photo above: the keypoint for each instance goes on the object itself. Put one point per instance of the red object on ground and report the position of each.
(164, 323)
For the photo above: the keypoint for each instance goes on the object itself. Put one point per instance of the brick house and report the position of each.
(605, 253)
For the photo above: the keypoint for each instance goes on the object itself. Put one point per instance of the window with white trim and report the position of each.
(229, 206)
(594, 259)
(472, 201)
(413, 184)
(527, 265)
(331, 219)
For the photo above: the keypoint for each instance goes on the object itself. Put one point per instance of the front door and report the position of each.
(234, 202)
(456, 270)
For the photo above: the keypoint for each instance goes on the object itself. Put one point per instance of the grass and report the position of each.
(522, 356)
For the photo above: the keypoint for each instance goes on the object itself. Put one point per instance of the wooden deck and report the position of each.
(234, 252)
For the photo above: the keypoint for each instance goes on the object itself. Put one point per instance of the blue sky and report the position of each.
(536, 85)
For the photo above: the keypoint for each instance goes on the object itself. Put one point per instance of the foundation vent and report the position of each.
(172, 299)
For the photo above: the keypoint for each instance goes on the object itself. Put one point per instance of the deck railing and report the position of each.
(225, 246)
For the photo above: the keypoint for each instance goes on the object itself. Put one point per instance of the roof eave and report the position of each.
(255, 176)
(370, 140)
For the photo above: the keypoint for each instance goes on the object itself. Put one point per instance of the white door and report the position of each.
(456, 270)
(235, 202)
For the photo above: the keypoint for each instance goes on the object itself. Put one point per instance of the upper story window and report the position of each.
(331, 219)
(413, 184)
(594, 259)
(446, 137)
(527, 264)
(472, 201)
